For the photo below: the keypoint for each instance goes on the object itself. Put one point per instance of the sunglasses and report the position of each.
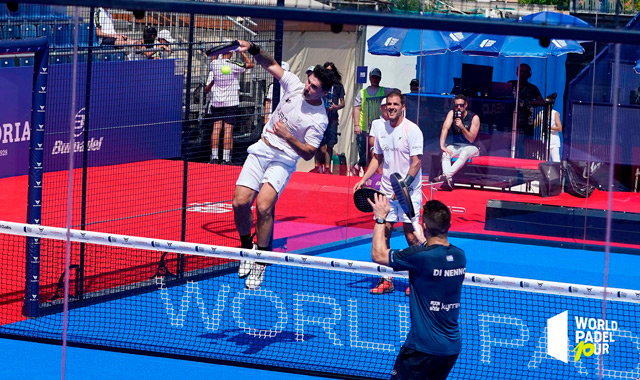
(458, 105)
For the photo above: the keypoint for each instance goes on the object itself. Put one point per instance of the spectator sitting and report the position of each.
(164, 39)
(106, 32)
(145, 48)
(464, 126)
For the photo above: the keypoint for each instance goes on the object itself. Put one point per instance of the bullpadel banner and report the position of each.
(134, 113)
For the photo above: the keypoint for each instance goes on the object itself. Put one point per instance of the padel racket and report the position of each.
(361, 196)
(401, 190)
(222, 49)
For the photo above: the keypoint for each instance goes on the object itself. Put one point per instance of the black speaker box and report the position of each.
(551, 181)
(561, 221)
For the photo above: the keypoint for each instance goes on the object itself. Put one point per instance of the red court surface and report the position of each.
(145, 199)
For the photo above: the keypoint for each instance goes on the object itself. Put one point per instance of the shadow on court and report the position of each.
(255, 344)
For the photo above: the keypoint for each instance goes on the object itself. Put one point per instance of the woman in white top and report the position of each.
(223, 83)
(556, 128)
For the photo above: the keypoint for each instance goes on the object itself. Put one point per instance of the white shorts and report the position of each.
(396, 214)
(265, 164)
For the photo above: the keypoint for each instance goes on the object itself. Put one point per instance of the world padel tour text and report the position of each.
(348, 323)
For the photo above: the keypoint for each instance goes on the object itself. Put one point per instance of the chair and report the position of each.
(28, 31)
(44, 30)
(26, 61)
(83, 35)
(31, 12)
(7, 62)
(4, 13)
(46, 13)
(59, 12)
(11, 32)
(103, 57)
(62, 37)
(58, 59)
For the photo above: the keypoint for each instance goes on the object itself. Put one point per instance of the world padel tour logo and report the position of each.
(391, 41)
(592, 336)
(94, 144)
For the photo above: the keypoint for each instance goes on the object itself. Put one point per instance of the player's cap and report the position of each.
(310, 69)
(375, 73)
(285, 66)
(166, 35)
(383, 102)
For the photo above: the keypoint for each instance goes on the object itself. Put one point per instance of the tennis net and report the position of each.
(311, 314)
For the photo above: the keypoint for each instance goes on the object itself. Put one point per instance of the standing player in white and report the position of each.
(224, 85)
(398, 148)
(294, 130)
(378, 123)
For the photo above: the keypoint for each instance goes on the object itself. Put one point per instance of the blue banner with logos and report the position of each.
(134, 114)
(15, 118)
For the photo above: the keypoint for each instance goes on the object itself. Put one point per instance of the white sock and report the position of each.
(226, 155)
(214, 153)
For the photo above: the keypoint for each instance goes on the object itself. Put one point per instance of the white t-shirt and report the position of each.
(397, 145)
(377, 123)
(224, 92)
(104, 20)
(306, 122)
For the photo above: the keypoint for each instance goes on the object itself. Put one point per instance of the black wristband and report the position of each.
(254, 49)
(409, 179)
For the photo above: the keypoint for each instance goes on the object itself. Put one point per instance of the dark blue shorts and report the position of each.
(416, 365)
(330, 138)
(107, 41)
(227, 114)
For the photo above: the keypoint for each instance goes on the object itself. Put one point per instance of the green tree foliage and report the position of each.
(409, 6)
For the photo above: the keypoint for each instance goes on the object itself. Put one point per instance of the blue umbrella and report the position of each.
(397, 41)
(514, 46)
(553, 18)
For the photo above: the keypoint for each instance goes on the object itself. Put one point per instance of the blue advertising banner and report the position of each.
(15, 103)
(135, 114)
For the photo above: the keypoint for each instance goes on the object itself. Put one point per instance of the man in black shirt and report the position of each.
(529, 96)
(463, 125)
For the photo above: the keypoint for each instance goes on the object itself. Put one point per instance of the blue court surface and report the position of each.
(315, 320)
(521, 260)
(39, 361)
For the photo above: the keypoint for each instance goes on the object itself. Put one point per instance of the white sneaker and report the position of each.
(254, 280)
(245, 266)
(244, 269)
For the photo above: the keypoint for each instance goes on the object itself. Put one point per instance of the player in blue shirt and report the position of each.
(436, 273)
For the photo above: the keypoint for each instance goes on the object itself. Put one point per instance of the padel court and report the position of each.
(317, 320)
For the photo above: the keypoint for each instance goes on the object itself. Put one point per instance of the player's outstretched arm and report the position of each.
(379, 249)
(262, 57)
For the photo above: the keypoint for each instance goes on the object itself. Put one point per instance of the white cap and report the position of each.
(285, 66)
(310, 69)
(166, 35)
(383, 102)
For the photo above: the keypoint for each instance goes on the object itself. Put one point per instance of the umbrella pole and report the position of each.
(514, 123)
